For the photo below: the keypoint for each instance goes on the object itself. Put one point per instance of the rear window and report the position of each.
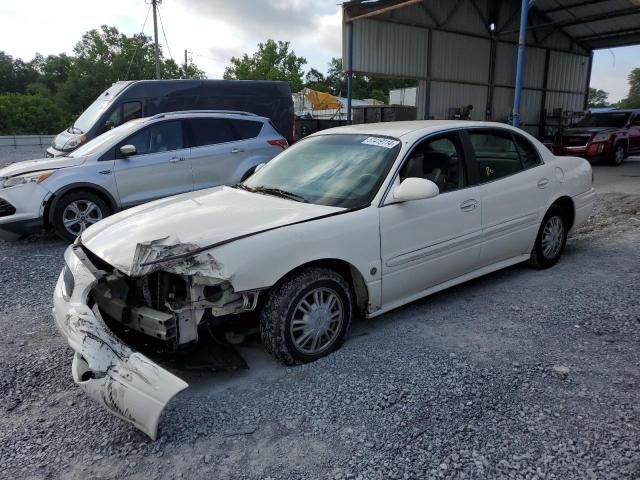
(212, 131)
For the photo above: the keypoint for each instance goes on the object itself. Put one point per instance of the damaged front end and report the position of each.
(102, 312)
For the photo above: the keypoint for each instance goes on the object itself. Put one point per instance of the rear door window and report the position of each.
(496, 154)
(528, 152)
(212, 131)
(246, 129)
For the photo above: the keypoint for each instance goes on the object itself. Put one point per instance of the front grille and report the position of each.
(575, 140)
(6, 208)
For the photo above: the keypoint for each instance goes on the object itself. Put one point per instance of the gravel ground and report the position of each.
(520, 374)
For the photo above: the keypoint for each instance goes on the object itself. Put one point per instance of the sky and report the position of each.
(215, 30)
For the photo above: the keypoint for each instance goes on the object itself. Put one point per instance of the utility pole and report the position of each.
(155, 3)
(186, 64)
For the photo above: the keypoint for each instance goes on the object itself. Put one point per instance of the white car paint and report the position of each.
(399, 251)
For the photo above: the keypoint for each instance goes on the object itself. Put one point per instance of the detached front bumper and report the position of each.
(123, 381)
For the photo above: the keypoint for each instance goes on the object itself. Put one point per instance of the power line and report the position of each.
(164, 33)
(135, 52)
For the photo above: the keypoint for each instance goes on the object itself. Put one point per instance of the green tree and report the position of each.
(29, 114)
(315, 80)
(633, 99)
(364, 86)
(272, 61)
(597, 98)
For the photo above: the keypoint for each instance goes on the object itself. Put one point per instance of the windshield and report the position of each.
(334, 170)
(90, 116)
(106, 140)
(611, 119)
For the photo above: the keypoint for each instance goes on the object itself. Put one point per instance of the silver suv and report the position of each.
(139, 161)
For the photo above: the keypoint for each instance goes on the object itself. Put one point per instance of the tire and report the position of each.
(83, 201)
(546, 252)
(282, 315)
(618, 155)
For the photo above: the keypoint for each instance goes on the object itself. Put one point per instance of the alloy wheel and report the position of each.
(80, 215)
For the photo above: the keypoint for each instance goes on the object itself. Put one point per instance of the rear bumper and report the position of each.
(583, 204)
(123, 381)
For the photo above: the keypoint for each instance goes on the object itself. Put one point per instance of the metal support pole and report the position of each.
(186, 64)
(349, 70)
(154, 3)
(586, 90)
(522, 43)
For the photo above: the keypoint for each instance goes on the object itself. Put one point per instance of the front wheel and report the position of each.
(76, 212)
(306, 316)
(619, 153)
(551, 239)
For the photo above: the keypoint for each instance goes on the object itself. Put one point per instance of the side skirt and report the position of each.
(450, 283)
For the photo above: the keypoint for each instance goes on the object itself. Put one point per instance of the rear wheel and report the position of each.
(77, 211)
(551, 239)
(618, 155)
(307, 316)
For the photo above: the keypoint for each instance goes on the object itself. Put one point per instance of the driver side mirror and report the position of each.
(414, 188)
(127, 150)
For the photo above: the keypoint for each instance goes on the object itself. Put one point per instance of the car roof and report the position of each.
(209, 114)
(403, 128)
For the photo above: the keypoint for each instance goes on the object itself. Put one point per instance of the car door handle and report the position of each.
(469, 205)
(237, 150)
(176, 159)
(543, 182)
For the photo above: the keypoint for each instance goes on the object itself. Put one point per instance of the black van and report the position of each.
(124, 101)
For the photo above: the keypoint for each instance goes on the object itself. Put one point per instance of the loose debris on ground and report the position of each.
(522, 374)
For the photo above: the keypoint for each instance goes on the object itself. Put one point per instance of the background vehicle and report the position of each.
(142, 160)
(611, 136)
(125, 101)
(355, 219)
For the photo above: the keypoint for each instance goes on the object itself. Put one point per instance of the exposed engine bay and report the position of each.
(166, 307)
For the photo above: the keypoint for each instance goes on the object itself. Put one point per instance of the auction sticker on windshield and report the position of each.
(381, 142)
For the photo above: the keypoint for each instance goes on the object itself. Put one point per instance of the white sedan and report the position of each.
(351, 221)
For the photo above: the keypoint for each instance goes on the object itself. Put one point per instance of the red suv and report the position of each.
(611, 136)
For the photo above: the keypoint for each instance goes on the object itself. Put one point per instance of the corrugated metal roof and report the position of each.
(592, 24)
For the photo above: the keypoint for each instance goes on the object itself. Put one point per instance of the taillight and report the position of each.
(280, 142)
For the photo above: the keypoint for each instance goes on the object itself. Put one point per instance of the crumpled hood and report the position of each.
(195, 219)
(28, 166)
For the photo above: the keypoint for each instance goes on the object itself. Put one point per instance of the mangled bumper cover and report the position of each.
(123, 381)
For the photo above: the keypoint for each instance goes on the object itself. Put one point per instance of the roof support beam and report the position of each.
(584, 3)
(452, 13)
(430, 14)
(612, 33)
(591, 18)
(379, 11)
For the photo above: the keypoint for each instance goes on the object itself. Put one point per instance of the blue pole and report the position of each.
(522, 42)
(349, 69)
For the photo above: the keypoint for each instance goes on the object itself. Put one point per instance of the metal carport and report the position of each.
(464, 51)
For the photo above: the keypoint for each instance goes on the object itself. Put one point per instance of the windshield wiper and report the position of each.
(279, 193)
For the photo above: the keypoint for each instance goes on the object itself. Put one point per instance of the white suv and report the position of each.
(139, 161)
